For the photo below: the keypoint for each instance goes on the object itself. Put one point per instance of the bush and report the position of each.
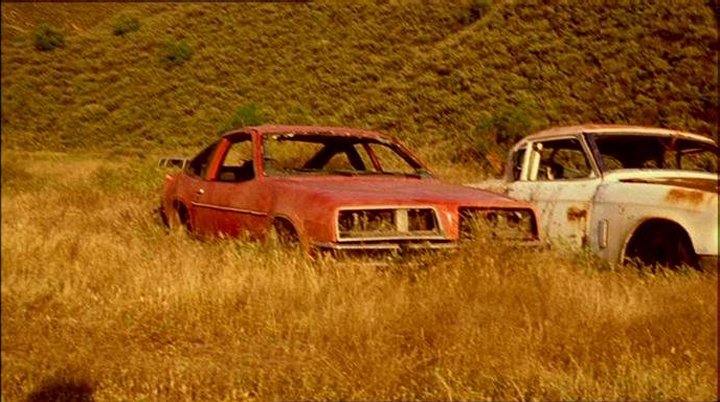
(175, 53)
(47, 37)
(474, 11)
(246, 115)
(506, 126)
(126, 23)
(495, 135)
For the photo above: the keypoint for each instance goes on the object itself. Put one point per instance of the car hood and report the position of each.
(357, 191)
(677, 178)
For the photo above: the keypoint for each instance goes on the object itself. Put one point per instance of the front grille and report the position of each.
(504, 224)
(388, 223)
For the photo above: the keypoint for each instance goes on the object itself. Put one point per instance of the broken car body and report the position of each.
(330, 188)
(625, 192)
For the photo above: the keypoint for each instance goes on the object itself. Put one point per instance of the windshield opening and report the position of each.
(317, 154)
(656, 152)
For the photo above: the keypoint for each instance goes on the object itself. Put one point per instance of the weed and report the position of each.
(126, 23)
(474, 11)
(246, 115)
(47, 37)
(175, 53)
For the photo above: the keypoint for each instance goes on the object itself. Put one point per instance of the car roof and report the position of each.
(310, 130)
(614, 129)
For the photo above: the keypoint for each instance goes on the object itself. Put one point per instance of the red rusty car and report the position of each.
(330, 188)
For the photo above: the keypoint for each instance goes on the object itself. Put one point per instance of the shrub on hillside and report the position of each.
(47, 37)
(246, 115)
(494, 135)
(126, 23)
(473, 11)
(504, 127)
(175, 53)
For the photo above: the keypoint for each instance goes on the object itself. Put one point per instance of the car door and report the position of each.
(560, 179)
(235, 197)
(191, 188)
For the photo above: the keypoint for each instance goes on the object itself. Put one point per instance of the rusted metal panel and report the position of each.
(708, 185)
(576, 214)
(682, 196)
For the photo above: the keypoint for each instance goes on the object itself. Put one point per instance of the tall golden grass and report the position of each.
(98, 299)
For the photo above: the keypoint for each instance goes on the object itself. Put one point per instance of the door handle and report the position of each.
(200, 192)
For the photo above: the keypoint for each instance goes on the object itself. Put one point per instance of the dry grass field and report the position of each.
(98, 300)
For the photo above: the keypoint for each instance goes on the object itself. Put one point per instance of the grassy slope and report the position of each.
(429, 71)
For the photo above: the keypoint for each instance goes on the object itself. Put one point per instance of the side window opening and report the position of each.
(199, 165)
(562, 159)
(517, 162)
(237, 165)
(634, 151)
(389, 160)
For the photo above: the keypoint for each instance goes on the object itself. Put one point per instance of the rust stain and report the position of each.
(682, 196)
(712, 186)
(576, 214)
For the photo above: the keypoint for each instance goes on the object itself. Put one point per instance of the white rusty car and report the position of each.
(625, 192)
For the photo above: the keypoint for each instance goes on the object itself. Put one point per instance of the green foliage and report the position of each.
(504, 127)
(420, 72)
(126, 23)
(495, 134)
(175, 53)
(246, 115)
(47, 37)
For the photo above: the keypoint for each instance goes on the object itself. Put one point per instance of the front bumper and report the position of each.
(414, 246)
(385, 246)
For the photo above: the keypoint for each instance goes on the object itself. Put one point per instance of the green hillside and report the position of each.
(439, 74)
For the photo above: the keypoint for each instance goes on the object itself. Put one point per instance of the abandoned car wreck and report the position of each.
(329, 188)
(627, 193)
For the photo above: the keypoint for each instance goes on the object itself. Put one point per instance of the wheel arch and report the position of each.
(293, 225)
(182, 212)
(288, 221)
(653, 223)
